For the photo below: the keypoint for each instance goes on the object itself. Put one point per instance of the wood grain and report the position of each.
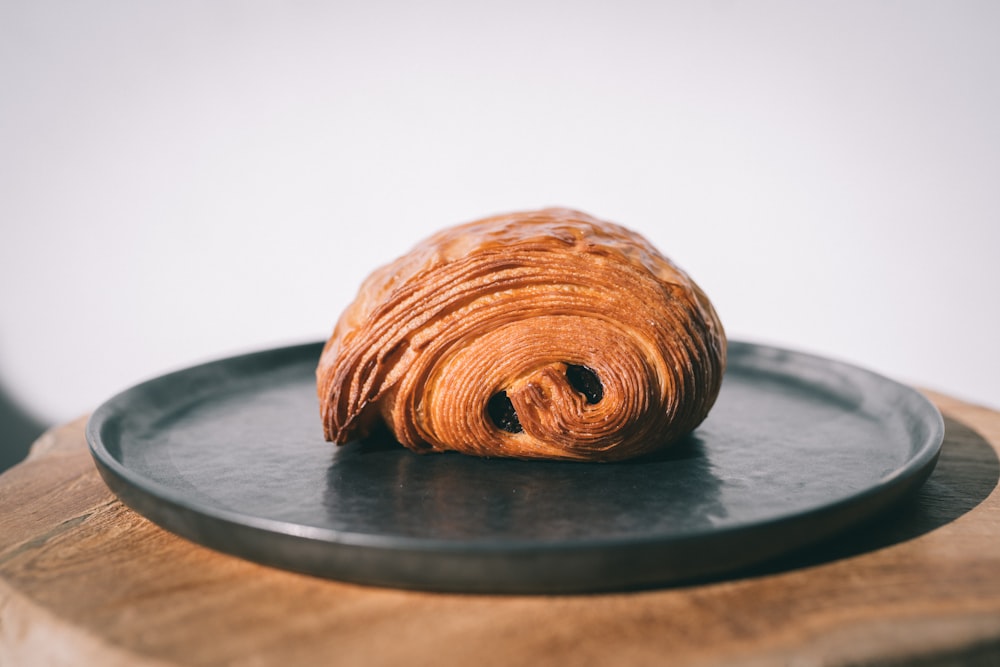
(85, 581)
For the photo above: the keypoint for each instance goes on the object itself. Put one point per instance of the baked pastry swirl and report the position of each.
(537, 335)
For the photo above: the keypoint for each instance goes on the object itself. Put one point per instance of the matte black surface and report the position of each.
(230, 454)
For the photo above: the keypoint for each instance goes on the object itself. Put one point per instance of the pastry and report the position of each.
(538, 335)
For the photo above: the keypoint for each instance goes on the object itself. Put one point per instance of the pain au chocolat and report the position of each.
(538, 335)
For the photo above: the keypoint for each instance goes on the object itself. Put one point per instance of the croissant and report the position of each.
(536, 335)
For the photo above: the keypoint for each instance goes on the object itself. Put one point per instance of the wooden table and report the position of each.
(85, 581)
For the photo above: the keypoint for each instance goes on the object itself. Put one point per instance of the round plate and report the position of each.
(230, 454)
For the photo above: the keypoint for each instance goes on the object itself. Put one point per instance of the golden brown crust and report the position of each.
(517, 304)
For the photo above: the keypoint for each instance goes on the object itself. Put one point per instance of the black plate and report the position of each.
(230, 454)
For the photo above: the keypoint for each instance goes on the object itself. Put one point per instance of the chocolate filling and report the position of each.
(502, 412)
(585, 381)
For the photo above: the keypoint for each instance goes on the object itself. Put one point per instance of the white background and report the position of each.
(181, 181)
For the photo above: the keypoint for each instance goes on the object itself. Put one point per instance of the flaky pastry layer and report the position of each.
(538, 335)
